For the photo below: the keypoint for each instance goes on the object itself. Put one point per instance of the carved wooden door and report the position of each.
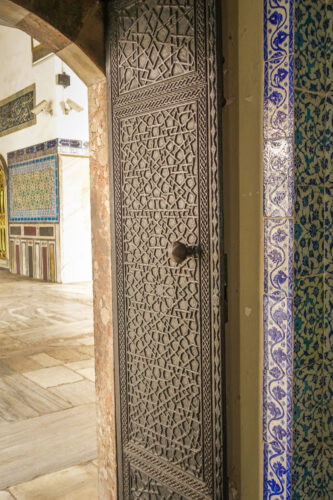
(163, 83)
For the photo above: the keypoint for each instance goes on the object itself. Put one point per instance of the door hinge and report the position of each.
(225, 288)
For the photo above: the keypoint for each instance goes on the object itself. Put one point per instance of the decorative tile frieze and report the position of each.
(55, 146)
(278, 246)
(277, 387)
(278, 98)
(278, 178)
(277, 472)
(278, 28)
(278, 257)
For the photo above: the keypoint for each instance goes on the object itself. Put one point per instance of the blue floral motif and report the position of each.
(278, 251)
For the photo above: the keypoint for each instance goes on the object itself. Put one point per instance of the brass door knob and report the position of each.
(178, 251)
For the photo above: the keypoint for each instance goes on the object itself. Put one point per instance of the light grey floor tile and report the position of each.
(45, 360)
(78, 393)
(20, 398)
(50, 377)
(46, 444)
(76, 483)
(88, 373)
(79, 365)
(21, 364)
(5, 495)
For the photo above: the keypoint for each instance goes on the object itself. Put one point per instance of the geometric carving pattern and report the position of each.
(160, 205)
(145, 488)
(155, 42)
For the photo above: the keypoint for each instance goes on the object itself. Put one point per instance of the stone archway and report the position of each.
(75, 34)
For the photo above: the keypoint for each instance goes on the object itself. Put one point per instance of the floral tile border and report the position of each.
(278, 257)
(277, 463)
(279, 98)
(278, 28)
(278, 246)
(278, 178)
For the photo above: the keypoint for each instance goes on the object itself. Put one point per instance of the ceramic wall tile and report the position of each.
(329, 47)
(277, 472)
(309, 231)
(310, 127)
(308, 407)
(328, 332)
(278, 28)
(310, 51)
(278, 98)
(277, 412)
(327, 467)
(329, 229)
(329, 139)
(308, 321)
(278, 178)
(33, 190)
(278, 245)
(307, 474)
(278, 261)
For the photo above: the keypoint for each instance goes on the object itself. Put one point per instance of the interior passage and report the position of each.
(47, 390)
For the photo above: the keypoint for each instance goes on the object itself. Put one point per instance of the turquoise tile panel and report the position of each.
(329, 140)
(310, 129)
(308, 321)
(309, 231)
(329, 230)
(327, 466)
(328, 332)
(310, 45)
(307, 472)
(327, 422)
(329, 47)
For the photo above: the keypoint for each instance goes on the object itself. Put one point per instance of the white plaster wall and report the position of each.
(18, 72)
(75, 125)
(75, 227)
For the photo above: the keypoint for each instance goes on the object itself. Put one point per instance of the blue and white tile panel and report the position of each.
(278, 247)
(55, 146)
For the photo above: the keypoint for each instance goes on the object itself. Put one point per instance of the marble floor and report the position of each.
(47, 392)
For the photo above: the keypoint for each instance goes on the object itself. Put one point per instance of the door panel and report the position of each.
(163, 82)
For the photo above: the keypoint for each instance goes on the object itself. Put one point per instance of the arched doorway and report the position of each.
(86, 59)
(90, 73)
